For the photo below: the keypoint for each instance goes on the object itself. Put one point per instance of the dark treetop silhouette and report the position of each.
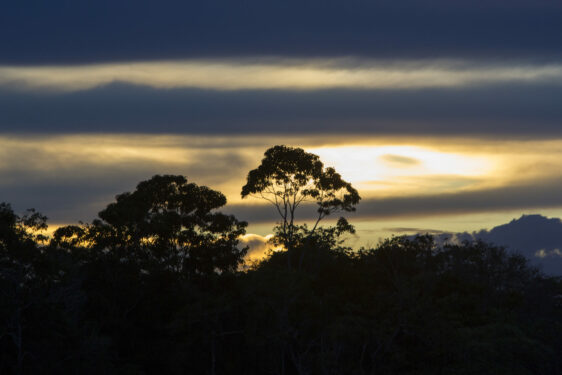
(167, 220)
(288, 177)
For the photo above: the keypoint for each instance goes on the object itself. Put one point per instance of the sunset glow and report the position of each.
(389, 169)
(383, 169)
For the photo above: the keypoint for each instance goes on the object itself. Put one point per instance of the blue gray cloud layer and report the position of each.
(58, 31)
(493, 33)
(531, 110)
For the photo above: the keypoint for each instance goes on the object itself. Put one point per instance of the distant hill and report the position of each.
(537, 237)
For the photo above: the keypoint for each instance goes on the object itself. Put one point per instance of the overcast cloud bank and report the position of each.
(62, 32)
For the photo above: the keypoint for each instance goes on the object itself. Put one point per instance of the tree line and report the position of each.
(158, 284)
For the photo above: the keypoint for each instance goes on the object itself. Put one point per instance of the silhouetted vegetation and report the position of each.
(289, 177)
(155, 286)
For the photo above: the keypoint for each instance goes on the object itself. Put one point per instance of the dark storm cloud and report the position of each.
(531, 110)
(58, 32)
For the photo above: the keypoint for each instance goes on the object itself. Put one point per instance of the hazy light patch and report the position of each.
(422, 185)
(277, 73)
(399, 160)
(258, 246)
(402, 230)
(375, 167)
(545, 253)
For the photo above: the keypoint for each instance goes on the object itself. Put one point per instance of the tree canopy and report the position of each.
(289, 177)
(168, 221)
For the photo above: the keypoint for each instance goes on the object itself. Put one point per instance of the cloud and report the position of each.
(71, 178)
(62, 32)
(258, 246)
(542, 253)
(279, 73)
(413, 230)
(400, 161)
(507, 110)
(520, 195)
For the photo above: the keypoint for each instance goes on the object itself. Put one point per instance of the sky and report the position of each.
(446, 115)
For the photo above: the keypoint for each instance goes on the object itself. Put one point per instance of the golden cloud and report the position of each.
(272, 73)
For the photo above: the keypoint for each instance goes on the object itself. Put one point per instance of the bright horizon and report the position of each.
(399, 174)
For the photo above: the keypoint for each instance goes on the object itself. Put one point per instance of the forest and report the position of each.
(159, 284)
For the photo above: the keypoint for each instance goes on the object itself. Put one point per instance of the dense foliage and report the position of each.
(406, 307)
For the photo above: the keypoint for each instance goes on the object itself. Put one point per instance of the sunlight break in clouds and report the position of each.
(264, 73)
(258, 246)
(390, 169)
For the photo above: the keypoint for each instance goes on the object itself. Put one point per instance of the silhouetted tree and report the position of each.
(166, 221)
(288, 177)
(40, 300)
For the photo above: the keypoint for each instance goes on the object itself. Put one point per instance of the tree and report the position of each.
(18, 233)
(288, 177)
(166, 221)
(18, 253)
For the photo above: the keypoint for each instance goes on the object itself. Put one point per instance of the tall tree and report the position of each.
(289, 177)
